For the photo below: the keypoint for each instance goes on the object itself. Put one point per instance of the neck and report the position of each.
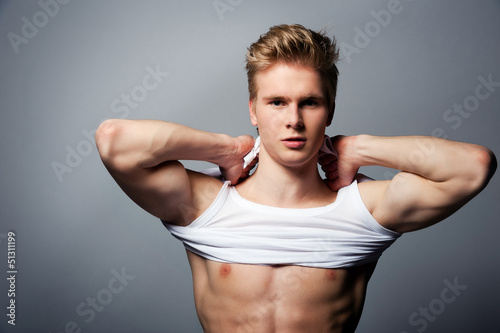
(282, 186)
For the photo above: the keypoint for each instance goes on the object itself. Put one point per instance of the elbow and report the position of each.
(491, 164)
(106, 139)
(486, 165)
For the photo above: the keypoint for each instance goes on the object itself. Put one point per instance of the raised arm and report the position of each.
(437, 176)
(142, 156)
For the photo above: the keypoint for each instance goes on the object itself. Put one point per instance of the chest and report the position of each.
(284, 283)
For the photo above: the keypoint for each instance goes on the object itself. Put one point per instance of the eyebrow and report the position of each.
(303, 98)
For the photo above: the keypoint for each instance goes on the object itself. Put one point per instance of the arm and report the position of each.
(142, 156)
(437, 176)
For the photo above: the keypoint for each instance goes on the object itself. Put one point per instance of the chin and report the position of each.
(298, 161)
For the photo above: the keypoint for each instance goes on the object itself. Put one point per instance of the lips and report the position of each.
(295, 138)
(294, 142)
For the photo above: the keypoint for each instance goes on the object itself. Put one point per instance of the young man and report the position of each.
(283, 250)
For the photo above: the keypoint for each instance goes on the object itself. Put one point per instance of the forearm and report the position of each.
(148, 143)
(433, 158)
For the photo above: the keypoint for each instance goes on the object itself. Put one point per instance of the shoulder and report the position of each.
(371, 193)
(204, 191)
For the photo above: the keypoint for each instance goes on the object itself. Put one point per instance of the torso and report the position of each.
(239, 298)
(255, 298)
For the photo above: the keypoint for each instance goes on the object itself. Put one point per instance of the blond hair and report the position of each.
(299, 45)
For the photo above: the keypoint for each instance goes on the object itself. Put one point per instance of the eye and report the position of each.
(276, 103)
(310, 103)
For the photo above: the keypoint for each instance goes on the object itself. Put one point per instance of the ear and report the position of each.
(253, 115)
(330, 115)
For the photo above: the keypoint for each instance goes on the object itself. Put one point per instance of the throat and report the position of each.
(286, 192)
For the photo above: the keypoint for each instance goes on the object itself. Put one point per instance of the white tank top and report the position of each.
(235, 230)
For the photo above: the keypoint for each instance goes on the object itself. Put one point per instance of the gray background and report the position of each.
(74, 229)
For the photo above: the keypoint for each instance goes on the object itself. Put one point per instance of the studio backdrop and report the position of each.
(77, 255)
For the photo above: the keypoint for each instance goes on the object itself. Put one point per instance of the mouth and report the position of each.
(294, 142)
(295, 138)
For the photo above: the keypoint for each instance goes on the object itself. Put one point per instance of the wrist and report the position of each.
(226, 147)
(354, 149)
(360, 148)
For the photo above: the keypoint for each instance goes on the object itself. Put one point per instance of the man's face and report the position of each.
(291, 113)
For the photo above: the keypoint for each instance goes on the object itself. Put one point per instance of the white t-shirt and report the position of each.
(235, 230)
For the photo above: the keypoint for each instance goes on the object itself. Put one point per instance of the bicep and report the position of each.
(410, 202)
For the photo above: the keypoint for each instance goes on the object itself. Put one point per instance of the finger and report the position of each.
(329, 167)
(327, 159)
(328, 183)
(253, 163)
(332, 175)
(231, 175)
(249, 168)
(333, 184)
(337, 184)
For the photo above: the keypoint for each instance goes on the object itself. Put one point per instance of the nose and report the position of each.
(294, 117)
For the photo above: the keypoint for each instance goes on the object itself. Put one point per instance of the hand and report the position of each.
(246, 172)
(340, 171)
(232, 167)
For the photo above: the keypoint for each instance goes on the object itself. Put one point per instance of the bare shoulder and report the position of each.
(372, 193)
(204, 191)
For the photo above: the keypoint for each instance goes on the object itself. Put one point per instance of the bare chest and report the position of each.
(292, 296)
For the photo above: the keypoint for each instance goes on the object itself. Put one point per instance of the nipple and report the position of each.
(331, 274)
(224, 270)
